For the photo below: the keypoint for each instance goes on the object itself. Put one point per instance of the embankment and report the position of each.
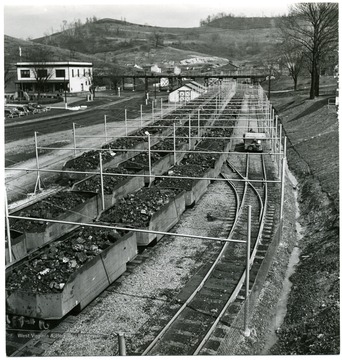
(311, 325)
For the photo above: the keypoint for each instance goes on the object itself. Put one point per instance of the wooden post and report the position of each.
(141, 116)
(126, 121)
(248, 250)
(8, 230)
(280, 157)
(152, 112)
(105, 127)
(74, 135)
(122, 344)
(282, 195)
(174, 145)
(189, 132)
(101, 178)
(37, 163)
(198, 123)
(149, 158)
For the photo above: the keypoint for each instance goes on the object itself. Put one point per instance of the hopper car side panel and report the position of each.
(83, 286)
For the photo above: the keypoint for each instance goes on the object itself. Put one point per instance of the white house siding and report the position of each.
(79, 80)
(174, 95)
(78, 75)
(195, 89)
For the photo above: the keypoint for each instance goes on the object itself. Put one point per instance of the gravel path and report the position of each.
(144, 293)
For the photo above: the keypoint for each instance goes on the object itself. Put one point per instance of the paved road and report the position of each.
(25, 128)
(19, 182)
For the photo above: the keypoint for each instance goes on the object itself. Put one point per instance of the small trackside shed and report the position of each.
(187, 92)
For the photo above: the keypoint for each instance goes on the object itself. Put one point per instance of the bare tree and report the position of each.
(315, 27)
(292, 56)
(9, 70)
(39, 56)
(157, 39)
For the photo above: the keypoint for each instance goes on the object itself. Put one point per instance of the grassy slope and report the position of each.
(311, 325)
(117, 37)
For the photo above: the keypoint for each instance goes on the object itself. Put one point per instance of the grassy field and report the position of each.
(311, 326)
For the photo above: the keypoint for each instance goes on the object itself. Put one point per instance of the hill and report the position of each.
(119, 45)
(242, 23)
(231, 38)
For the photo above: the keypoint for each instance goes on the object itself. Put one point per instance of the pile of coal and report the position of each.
(136, 209)
(49, 208)
(189, 170)
(93, 184)
(51, 268)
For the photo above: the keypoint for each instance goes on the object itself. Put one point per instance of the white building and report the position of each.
(54, 77)
(187, 92)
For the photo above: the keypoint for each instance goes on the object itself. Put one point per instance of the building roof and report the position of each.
(193, 85)
(53, 63)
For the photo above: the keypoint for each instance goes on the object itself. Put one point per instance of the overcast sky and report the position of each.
(42, 17)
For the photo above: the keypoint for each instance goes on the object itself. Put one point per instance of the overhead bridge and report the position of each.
(175, 81)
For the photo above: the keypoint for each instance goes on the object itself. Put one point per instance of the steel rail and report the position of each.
(262, 215)
(185, 235)
(230, 300)
(200, 286)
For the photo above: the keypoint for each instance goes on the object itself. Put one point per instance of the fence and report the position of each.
(234, 333)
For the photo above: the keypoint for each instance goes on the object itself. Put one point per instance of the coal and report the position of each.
(136, 209)
(51, 268)
(49, 208)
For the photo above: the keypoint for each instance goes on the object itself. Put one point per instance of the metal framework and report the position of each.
(220, 95)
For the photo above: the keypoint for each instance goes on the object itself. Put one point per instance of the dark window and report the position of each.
(78, 72)
(72, 73)
(25, 73)
(60, 73)
(42, 73)
(83, 72)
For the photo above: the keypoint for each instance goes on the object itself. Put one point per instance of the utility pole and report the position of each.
(269, 82)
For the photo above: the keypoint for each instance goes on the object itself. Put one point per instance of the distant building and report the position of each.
(156, 69)
(54, 77)
(187, 92)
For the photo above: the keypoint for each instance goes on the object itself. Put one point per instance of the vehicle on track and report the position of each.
(253, 141)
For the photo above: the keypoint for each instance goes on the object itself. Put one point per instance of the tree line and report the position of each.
(309, 39)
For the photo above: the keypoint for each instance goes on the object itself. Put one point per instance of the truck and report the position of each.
(253, 141)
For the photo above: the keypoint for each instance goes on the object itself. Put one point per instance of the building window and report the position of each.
(25, 73)
(89, 72)
(60, 73)
(83, 72)
(42, 73)
(72, 73)
(78, 72)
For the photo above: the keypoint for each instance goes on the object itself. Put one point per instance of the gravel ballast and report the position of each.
(142, 293)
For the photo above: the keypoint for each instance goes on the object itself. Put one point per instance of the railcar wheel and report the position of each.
(250, 148)
(43, 325)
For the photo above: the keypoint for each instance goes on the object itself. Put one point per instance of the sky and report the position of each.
(41, 17)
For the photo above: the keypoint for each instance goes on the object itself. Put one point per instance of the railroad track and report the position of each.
(15, 349)
(201, 312)
(192, 325)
